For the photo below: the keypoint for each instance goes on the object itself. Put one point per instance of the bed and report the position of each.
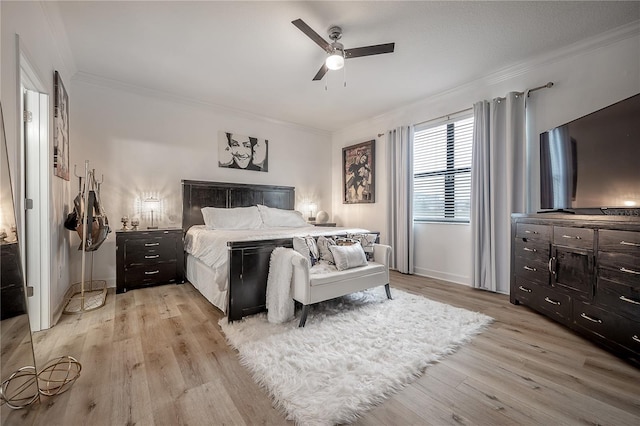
(233, 273)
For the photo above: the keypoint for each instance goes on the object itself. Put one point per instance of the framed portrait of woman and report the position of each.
(358, 173)
(242, 152)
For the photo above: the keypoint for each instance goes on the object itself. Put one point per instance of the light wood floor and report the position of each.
(157, 357)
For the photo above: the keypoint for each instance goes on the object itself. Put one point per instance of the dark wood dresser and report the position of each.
(148, 257)
(582, 271)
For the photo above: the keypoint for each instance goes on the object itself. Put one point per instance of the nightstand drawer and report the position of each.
(145, 252)
(151, 274)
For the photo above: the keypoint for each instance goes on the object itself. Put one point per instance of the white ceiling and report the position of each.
(247, 56)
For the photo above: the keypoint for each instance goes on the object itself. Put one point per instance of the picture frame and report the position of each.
(237, 151)
(358, 173)
(61, 129)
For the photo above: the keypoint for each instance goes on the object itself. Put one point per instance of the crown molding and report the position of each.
(515, 70)
(99, 81)
(52, 15)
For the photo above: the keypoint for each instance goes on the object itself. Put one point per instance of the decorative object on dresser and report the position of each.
(322, 217)
(358, 173)
(356, 351)
(148, 257)
(582, 271)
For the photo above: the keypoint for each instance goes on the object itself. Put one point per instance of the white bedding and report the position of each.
(209, 248)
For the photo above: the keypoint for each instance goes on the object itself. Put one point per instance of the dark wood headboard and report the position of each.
(197, 194)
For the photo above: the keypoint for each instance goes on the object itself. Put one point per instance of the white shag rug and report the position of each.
(353, 352)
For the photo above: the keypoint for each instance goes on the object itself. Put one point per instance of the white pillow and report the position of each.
(273, 218)
(347, 257)
(235, 218)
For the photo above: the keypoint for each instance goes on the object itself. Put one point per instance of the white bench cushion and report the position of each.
(323, 273)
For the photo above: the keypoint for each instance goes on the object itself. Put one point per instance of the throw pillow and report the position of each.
(323, 248)
(343, 241)
(366, 241)
(307, 247)
(347, 257)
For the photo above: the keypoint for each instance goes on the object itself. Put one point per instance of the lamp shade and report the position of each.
(335, 61)
(151, 204)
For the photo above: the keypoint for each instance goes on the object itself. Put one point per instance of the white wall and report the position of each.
(143, 142)
(31, 21)
(587, 76)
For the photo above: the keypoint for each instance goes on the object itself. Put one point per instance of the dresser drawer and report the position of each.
(619, 241)
(161, 273)
(532, 249)
(556, 305)
(622, 268)
(620, 298)
(533, 231)
(536, 270)
(573, 237)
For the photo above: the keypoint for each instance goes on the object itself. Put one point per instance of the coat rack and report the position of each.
(92, 225)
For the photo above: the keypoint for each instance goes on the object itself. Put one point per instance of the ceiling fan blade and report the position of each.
(302, 26)
(321, 72)
(369, 50)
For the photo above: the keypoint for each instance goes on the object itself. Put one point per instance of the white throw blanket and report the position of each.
(280, 305)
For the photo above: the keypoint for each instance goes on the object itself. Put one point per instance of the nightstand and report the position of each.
(148, 257)
(328, 224)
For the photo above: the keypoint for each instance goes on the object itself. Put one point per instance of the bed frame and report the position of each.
(248, 260)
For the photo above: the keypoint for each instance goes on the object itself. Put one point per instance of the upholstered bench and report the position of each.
(313, 284)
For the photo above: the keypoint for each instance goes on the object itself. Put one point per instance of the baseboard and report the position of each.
(445, 276)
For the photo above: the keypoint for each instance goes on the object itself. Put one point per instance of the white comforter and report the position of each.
(210, 246)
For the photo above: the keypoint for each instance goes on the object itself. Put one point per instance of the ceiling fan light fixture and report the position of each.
(335, 61)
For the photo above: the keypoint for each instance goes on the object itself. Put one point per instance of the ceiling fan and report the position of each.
(336, 51)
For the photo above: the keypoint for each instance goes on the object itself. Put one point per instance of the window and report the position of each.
(442, 171)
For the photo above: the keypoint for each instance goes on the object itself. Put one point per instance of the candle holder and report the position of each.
(135, 222)
(124, 220)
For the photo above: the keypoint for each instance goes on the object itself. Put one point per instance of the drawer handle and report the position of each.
(531, 232)
(553, 302)
(585, 316)
(624, 299)
(528, 249)
(155, 256)
(152, 272)
(151, 244)
(629, 271)
(528, 268)
(551, 267)
(528, 290)
(577, 237)
(626, 243)
(636, 338)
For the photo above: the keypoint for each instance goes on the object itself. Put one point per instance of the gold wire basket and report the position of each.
(20, 389)
(93, 297)
(58, 375)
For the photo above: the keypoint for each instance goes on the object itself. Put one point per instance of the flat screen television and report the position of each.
(591, 165)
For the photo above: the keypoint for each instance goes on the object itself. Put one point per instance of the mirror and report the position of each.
(17, 361)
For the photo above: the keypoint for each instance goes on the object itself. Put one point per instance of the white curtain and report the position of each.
(498, 186)
(400, 214)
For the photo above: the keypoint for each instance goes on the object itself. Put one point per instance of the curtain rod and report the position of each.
(528, 91)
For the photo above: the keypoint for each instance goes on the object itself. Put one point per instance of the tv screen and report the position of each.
(592, 164)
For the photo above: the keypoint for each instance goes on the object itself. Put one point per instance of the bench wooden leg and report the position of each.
(388, 290)
(303, 317)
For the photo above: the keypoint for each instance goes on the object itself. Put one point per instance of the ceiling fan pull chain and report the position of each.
(344, 76)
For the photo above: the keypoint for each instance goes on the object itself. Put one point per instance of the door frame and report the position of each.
(34, 168)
